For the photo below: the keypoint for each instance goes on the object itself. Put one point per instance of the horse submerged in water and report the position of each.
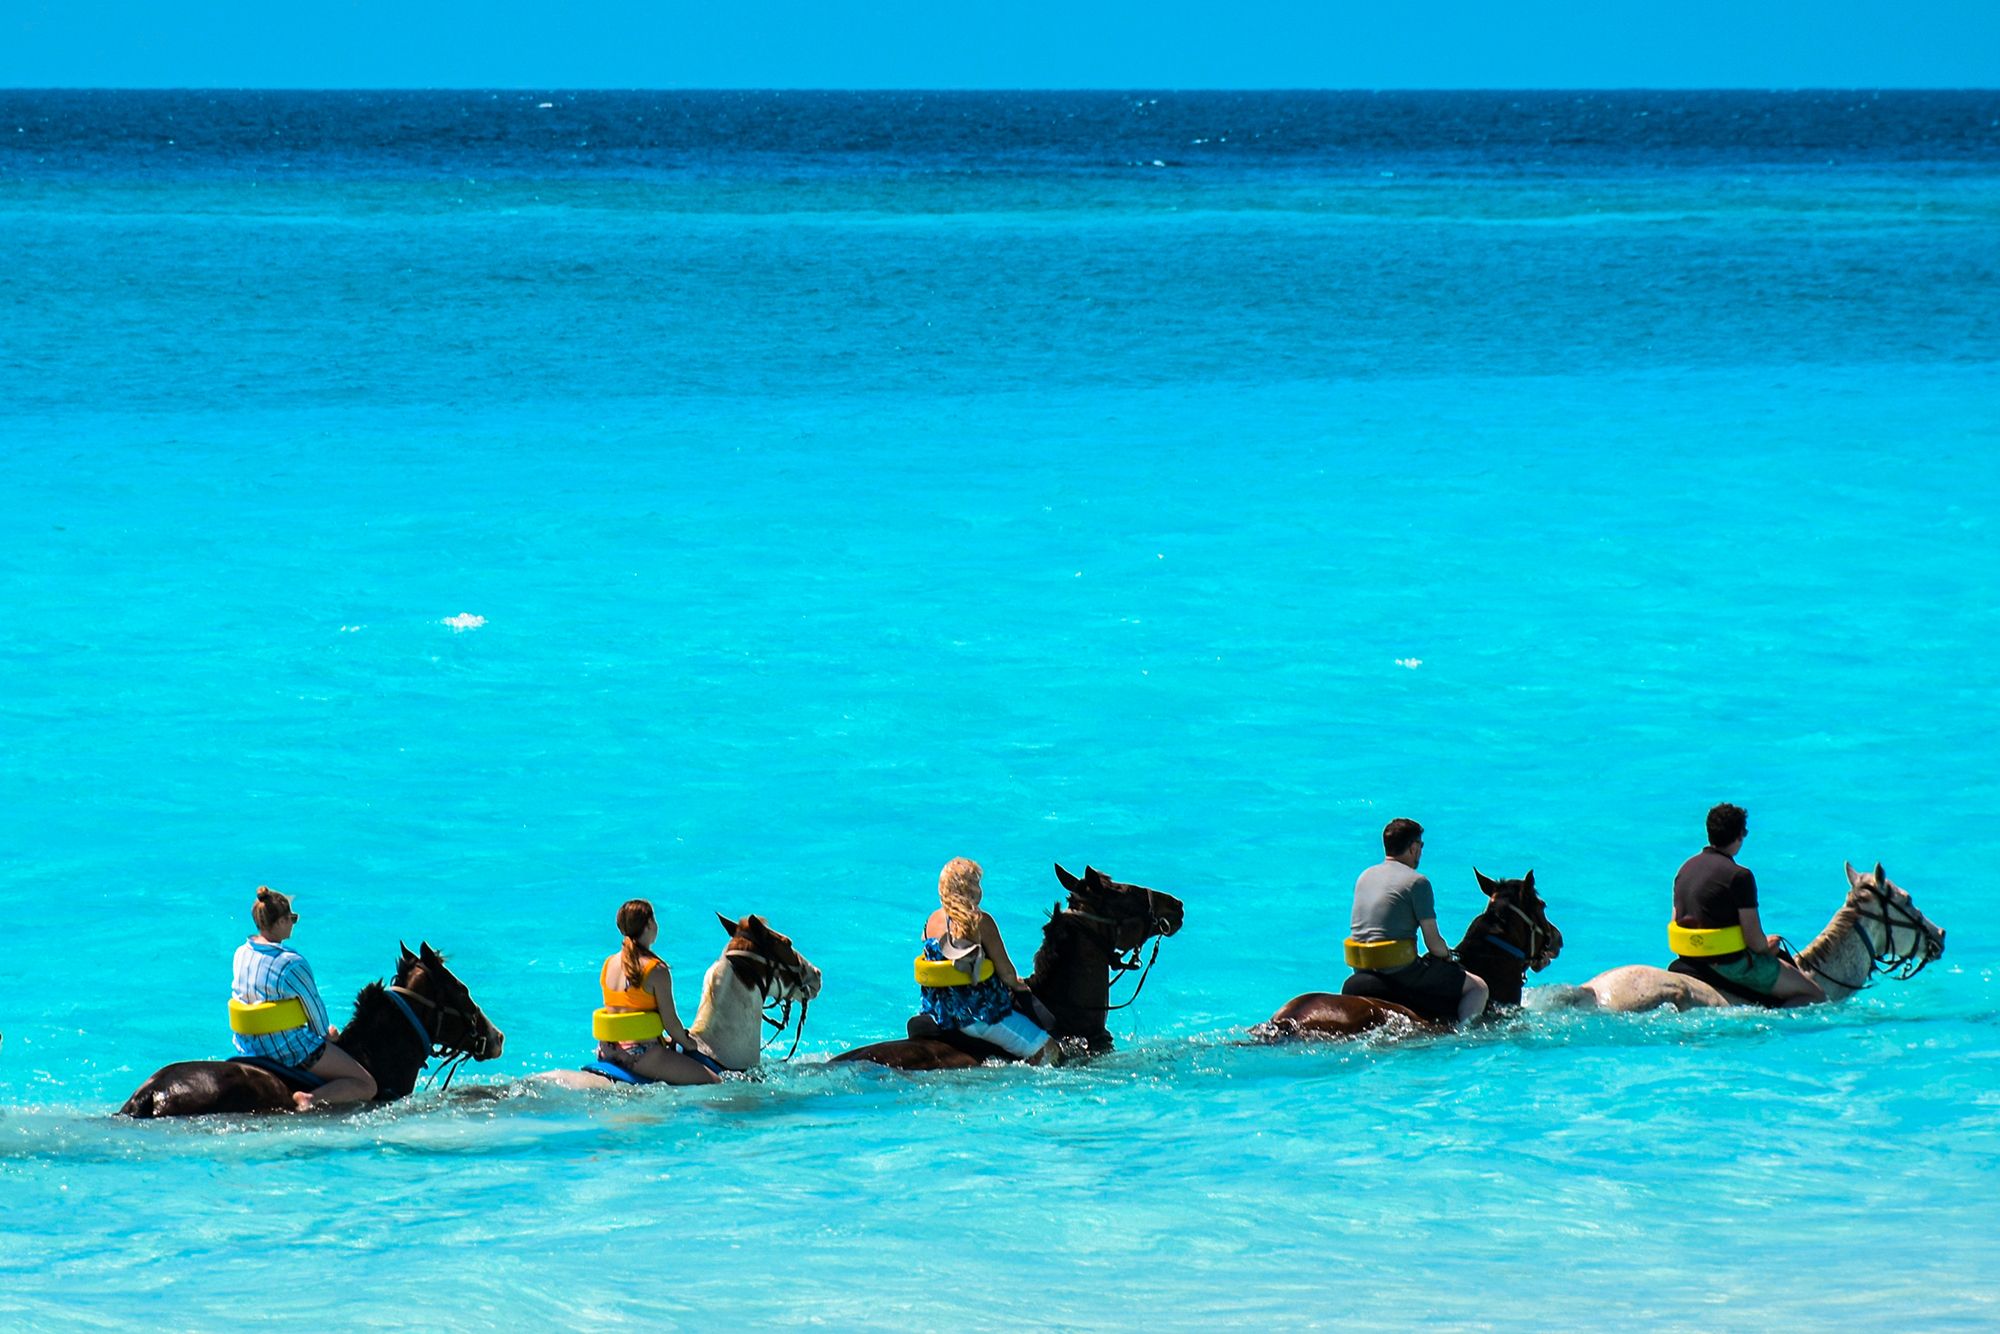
(396, 1030)
(1512, 935)
(1878, 930)
(757, 970)
(1096, 936)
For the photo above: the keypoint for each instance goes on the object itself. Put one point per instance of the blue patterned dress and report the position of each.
(985, 1002)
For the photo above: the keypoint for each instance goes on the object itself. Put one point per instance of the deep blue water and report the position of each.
(1184, 484)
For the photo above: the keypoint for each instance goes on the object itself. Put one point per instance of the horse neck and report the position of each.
(384, 1043)
(1072, 978)
(729, 1020)
(1844, 950)
(1503, 974)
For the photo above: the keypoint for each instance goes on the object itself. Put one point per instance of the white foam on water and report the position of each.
(464, 621)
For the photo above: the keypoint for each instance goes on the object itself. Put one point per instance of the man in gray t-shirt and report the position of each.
(1393, 903)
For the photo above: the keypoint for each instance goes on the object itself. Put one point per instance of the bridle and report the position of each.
(1536, 934)
(1125, 961)
(793, 975)
(472, 1046)
(1885, 961)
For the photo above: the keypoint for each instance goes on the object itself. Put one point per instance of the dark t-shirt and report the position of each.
(1710, 891)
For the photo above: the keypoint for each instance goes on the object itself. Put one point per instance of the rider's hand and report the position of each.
(332, 1034)
(1775, 943)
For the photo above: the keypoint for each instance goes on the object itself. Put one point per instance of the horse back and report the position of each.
(1326, 1014)
(912, 1054)
(200, 1088)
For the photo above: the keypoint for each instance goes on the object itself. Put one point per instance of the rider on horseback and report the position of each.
(1392, 905)
(275, 1011)
(965, 977)
(638, 1019)
(1716, 923)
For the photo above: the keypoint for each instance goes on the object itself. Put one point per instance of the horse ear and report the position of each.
(1486, 886)
(1853, 876)
(428, 954)
(1529, 879)
(1068, 881)
(408, 957)
(1093, 878)
(1881, 877)
(728, 923)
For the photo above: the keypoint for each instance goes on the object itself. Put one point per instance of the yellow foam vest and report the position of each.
(626, 1025)
(263, 1017)
(936, 973)
(1376, 955)
(1700, 942)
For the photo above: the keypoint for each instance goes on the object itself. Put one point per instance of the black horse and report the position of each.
(1511, 936)
(395, 1030)
(1084, 945)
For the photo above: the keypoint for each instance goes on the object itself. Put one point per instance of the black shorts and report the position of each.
(1431, 986)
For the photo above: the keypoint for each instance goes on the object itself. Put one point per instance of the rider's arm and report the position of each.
(299, 977)
(1433, 942)
(661, 983)
(1754, 938)
(1003, 967)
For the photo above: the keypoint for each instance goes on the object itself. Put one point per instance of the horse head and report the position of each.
(453, 1019)
(767, 961)
(1135, 914)
(1903, 939)
(1516, 915)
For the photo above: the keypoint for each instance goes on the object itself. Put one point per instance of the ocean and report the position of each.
(466, 511)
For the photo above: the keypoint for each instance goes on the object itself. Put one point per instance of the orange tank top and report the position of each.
(630, 998)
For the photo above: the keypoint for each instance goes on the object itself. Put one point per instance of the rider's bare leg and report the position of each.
(347, 1080)
(1472, 997)
(666, 1066)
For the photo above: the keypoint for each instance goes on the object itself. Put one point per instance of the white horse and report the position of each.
(758, 970)
(1877, 931)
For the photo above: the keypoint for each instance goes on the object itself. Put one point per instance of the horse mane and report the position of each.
(369, 996)
(1844, 923)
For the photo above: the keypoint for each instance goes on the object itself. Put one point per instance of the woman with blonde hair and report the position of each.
(275, 1011)
(965, 977)
(638, 1019)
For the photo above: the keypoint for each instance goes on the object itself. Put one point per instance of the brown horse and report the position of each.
(1511, 936)
(426, 1012)
(1084, 945)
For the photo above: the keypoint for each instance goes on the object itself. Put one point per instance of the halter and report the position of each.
(794, 978)
(1886, 962)
(456, 1054)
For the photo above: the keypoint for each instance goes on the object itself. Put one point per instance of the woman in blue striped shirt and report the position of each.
(267, 969)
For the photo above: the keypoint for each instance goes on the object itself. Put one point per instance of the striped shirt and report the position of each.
(267, 972)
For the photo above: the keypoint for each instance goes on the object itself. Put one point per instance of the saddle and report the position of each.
(1374, 986)
(1701, 972)
(922, 1028)
(295, 1079)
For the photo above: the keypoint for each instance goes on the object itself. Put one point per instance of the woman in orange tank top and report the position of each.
(635, 978)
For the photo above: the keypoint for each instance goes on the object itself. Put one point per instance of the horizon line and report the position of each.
(559, 89)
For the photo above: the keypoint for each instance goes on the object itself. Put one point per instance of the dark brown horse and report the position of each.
(395, 1030)
(1085, 943)
(1511, 936)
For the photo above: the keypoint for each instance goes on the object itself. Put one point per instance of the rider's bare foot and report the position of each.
(302, 1102)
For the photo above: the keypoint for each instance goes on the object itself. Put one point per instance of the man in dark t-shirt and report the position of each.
(1713, 894)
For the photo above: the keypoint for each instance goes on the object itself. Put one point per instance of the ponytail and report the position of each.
(633, 919)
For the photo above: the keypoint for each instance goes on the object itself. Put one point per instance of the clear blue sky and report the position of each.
(1000, 43)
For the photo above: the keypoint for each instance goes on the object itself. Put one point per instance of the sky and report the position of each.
(1000, 44)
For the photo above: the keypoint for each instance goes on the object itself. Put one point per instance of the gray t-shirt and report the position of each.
(1389, 900)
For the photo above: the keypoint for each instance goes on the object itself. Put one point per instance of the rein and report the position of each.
(795, 981)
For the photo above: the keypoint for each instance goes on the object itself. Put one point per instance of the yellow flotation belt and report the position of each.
(1375, 955)
(262, 1017)
(626, 1025)
(1699, 942)
(936, 973)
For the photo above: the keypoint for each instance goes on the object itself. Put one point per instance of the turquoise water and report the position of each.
(841, 503)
